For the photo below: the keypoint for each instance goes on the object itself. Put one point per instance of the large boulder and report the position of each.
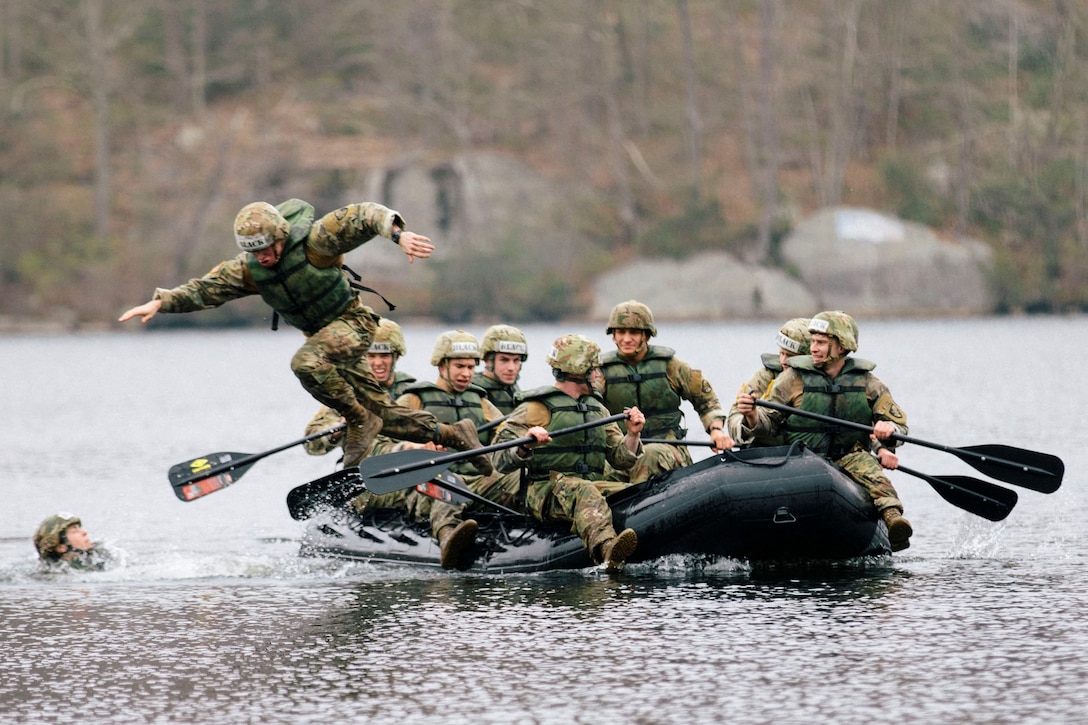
(871, 264)
(708, 286)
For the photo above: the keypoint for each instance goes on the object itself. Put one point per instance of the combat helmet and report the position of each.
(794, 337)
(839, 325)
(47, 537)
(574, 355)
(631, 315)
(504, 338)
(258, 226)
(388, 339)
(455, 344)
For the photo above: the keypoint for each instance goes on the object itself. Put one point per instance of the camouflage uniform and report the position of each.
(685, 383)
(503, 396)
(331, 364)
(854, 458)
(793, 338)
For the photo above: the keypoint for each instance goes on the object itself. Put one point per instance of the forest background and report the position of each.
(133, 130)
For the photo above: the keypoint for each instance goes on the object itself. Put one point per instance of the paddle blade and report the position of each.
(328, 492)
(394, 480)
(188, 471)
(978, 497)
(203, 486)
(1030, 469)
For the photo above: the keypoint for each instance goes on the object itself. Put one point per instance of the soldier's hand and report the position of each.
(145, 311)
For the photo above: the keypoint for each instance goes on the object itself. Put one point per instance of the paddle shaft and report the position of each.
(967, 455)
(463, 455)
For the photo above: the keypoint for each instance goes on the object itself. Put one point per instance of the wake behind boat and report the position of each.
(762, 504)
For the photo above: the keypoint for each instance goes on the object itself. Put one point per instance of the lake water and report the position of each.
(211, 617)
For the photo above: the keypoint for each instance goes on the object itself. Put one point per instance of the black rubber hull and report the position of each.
(801, 510)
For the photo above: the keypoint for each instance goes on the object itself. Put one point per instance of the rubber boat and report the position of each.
(782, 504)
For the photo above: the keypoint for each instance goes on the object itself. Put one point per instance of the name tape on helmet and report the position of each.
(787, 343)
(511, 347)
(468, 349)
(380, 348)
(254, 242)
(816, 325)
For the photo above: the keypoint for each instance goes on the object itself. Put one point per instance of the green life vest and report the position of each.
(644, 385)
(581, 454)
(841, 397)
(452, 407)
(401, 381)
(771, 361)
(306, 296)
(502, 395)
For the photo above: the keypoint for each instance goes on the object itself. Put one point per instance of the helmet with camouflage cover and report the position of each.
(836, 324)
(47, 537)
(504, 338)
(258, 226)
(794, 337)
(388, 339)
(455, 344)
(631, 315)
(574, 355)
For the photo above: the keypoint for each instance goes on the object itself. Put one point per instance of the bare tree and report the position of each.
(693, 132)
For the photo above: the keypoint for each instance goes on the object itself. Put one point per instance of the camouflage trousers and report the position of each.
(502, 489)
(656, 458)
(865, 469)
(416, 505)
(567, 498)
(332, 367)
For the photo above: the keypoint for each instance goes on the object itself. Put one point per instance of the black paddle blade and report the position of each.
(394, 480)
(187, 470)
(328, 492)
(186, 489)
(978, 497)
(1030, 469)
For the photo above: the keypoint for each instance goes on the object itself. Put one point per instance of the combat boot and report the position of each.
(363, 428)
(454, 541)
(899, 529)
(614, 551)
(461, 436)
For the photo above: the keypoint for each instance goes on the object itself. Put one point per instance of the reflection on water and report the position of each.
(210, 615)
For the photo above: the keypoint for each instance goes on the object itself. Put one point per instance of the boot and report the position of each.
(454, 541)
(461, 436)
(363, 428)
(614, 551)
(899, 529)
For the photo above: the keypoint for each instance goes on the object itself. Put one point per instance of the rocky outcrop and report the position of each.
(857, 260)
(868, 263)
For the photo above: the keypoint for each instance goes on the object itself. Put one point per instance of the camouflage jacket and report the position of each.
(331, 236)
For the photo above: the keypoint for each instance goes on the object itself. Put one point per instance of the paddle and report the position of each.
(209, 473)
(970, 494)
(1030, 469)
(336, 489)
(396, 471)
(981, 498)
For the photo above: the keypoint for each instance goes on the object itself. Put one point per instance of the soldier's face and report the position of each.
(381, 364)
(78, 538)
(458, 373)
(825, 347)
(629, 342)
(506, 367)
(268, 256)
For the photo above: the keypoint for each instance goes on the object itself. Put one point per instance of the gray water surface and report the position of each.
(210, 616)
